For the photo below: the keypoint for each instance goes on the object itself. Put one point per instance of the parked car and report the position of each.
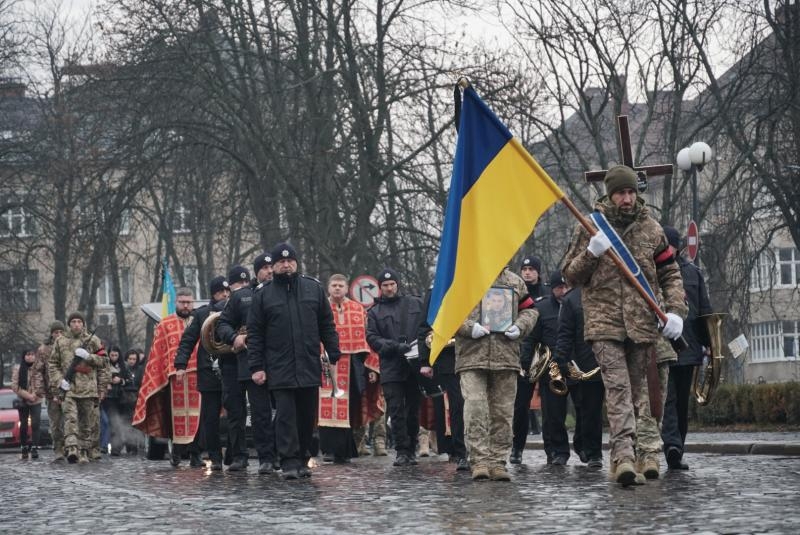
(9, 421)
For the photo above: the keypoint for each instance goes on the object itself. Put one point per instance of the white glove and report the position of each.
(513, 332)
(673, 327)
(479, 331)
(598, 245)
(81, 353)
(64, 385)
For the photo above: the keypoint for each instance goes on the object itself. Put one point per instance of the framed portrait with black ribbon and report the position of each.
(499, 309)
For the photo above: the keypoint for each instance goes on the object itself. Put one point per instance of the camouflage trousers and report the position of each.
(633, 430)
(81, 416)
(56, 415)
(488, 414)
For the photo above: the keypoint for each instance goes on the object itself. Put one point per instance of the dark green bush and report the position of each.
(774, 403)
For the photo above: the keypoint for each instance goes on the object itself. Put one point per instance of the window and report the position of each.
(775, 340)
(105, 292)
(788, 266)
(181, 220)
(19, 290)
(761, 276)
(192, 280)
(16, 222)
(125, 223)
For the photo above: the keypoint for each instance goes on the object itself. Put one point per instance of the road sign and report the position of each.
(692, 241)
(365, 289)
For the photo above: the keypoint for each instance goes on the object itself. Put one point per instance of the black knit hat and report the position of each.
(238, 274)
(532, 261)
(673, 236)
(76, 315)
(556, 279)
(618, 178)
(388, 274)
(217, 284)
(262, 260)
(57, 326)
(283, 251)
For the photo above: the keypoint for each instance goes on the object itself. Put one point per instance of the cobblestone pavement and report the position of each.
(720, 494)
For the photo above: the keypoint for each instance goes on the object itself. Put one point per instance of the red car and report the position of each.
(9, 420)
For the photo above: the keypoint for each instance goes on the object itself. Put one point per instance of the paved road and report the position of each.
(720, 494)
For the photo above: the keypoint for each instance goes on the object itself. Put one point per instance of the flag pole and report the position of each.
(678, 344)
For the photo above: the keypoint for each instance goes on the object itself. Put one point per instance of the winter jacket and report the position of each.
(87, 372)
(392, 322)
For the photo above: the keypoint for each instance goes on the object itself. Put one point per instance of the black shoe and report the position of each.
(327, 458)
(560, 460)
(304, 471)
(34, 452)
(265, 468)
(24, 453)
(583, 457)
(175, 460)
(195, 461)
(549, 458)
(595, 462)
(516, 456)
(238, 465)
(675, 459)
(462, 465)
(412, 459)
(290, 474)
(114, 453)
(216, 466)
(401, 460)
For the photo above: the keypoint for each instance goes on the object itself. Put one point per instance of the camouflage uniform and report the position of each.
(80, 406)
(488, 368)
(54, 412)
(620, 326)
(103, 380)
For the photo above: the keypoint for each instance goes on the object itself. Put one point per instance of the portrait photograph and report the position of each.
(497, 309)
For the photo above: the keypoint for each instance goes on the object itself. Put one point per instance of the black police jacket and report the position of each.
(571, 344)
(390, 323)
(233, 317)
(446, 361)
(694, 329)
(545, 331)
(538, 290)
(288, 320)
(207, 379)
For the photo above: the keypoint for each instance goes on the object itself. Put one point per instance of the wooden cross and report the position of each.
(642, 172)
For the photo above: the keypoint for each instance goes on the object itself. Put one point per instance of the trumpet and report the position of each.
(336, 392)
(574, 372)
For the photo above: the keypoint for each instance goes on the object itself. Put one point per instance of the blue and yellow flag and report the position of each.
(167, 291)
(497, 194)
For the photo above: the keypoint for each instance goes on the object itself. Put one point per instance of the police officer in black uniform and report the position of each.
(392, 324)
(587, 396)
(289, 318)
(231, 330)
(208, 376)
(554, 407)
(530, 271)
(443, 372)
(675, 423)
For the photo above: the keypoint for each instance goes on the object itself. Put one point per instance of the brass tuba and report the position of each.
(208, 336)
(713, 368)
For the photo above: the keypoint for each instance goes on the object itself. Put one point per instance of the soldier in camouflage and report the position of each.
(488, 366)
(54, 412)
(619, 325)
(86, 355)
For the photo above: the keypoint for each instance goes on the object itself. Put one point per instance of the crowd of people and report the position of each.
(318, 373)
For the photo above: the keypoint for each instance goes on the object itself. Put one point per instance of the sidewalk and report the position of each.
(768, 443)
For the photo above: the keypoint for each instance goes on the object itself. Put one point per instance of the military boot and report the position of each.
(83, 458)
(58, 454)
(379, 448)
(95, 455)
(498, 472)
(424, 446)
(480, 472)
(24, 453)
(34, 452)
(72, 454)
(648, 466)
(625, 474)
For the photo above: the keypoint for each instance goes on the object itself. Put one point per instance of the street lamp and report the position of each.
(692, 159)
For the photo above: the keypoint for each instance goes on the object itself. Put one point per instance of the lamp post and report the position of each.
(692, 159)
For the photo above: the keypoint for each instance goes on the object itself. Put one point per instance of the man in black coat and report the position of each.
(289, 318)
(208, 378)
(443, 372)
(554, 407)
(240, 386)
(392, 325)
(675, 422)
(587, 396)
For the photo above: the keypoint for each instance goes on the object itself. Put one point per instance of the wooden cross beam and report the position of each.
(626, 150)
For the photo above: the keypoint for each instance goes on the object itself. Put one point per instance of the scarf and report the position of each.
(619, 219)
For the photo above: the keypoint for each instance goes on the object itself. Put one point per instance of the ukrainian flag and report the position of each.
(167, 291)
(497, 194)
